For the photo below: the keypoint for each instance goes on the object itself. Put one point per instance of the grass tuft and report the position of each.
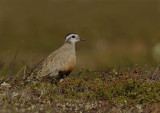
(109, 91)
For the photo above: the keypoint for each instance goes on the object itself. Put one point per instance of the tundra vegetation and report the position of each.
(134, 89)
(119, 34)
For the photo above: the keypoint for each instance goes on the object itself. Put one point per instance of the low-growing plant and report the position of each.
(135, 86)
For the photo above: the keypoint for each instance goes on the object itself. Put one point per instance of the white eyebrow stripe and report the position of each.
(68, 36)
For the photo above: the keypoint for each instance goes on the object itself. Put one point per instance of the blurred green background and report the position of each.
(118, 32)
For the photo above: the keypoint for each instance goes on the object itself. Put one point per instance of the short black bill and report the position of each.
(81, 39)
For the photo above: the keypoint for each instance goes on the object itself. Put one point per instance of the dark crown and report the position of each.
(69, 34)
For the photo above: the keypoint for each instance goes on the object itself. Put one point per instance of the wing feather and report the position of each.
(60, 60)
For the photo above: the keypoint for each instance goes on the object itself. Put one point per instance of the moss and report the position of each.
(136, 86)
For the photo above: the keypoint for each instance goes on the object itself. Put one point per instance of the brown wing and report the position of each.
(62, 59)
(57, 61)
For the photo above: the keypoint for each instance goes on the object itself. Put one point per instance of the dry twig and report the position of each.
(14, 59)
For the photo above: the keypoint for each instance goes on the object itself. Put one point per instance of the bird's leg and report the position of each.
(64, 76)
(54, 81)
(61, 80)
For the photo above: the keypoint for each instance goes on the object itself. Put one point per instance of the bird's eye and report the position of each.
(73, 36)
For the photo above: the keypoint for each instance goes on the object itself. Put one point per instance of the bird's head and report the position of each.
(73, 38)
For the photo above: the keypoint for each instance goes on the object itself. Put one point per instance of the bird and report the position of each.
(61, 62)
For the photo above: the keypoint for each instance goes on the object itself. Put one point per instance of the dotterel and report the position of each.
(61, 62)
